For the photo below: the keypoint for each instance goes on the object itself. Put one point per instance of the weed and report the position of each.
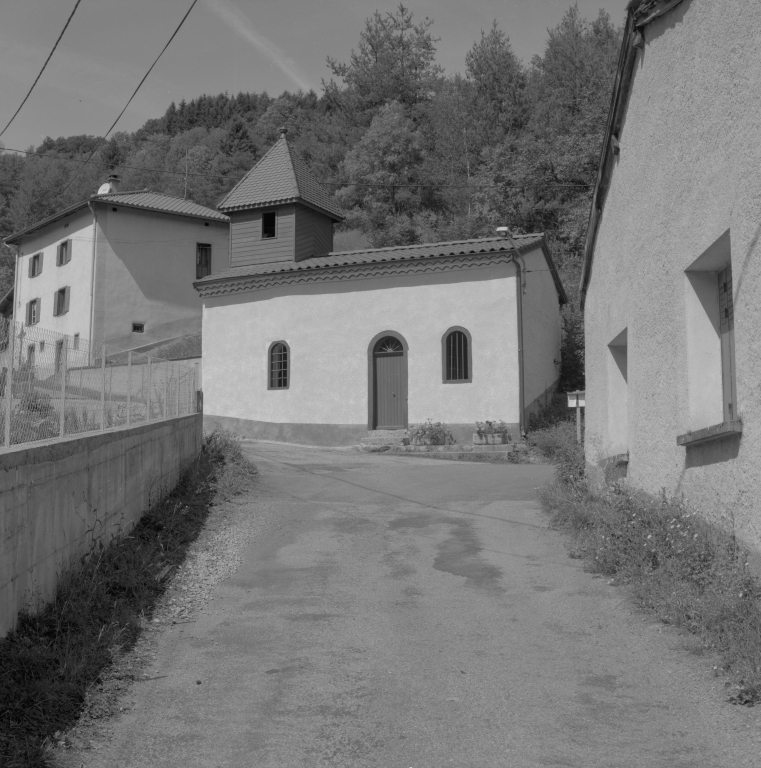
(679, 567)
(51, 659)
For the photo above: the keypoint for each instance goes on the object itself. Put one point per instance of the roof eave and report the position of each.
(213, 217)
(336, 217)
(16, 236)
(619, 101)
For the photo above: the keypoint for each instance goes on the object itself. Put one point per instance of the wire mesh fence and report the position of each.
(55, 386)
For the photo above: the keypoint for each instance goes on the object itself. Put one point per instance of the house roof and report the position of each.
(158, 201)
(281, 176)
(149, 201)
(379, 256)
(639, 13)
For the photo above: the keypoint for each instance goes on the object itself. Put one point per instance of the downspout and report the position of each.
(92, 278)
(519, 270)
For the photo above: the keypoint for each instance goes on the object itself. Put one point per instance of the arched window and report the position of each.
(279, 358)
(456, 356)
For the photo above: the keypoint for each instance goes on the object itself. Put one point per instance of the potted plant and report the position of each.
(430, 433)
(491, 433)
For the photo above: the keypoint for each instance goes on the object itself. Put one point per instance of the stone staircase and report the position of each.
(384, 439)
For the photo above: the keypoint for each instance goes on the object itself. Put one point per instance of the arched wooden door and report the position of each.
(389, 384)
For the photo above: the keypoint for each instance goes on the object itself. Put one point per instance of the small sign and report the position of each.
(576, 399)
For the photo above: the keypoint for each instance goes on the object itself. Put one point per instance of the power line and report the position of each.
(326, 183)
(134, 93)
(29, 93)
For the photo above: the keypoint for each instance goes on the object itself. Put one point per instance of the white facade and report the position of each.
(127, 265)
(329, 328)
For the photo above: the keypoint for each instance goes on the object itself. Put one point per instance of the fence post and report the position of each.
(166, 389)
(64, 361)
(9, 384)
(103, 387)
(129, 386)
(179, 372)
(148, 410)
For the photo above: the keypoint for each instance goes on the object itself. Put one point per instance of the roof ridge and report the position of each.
(291, 153)
(432, 244)
(248, 173)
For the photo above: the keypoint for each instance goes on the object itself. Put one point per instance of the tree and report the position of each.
(394, 61)
(500, 82)
(238, 141)
(381, 169)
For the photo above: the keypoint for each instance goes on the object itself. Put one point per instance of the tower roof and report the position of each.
(281, 176)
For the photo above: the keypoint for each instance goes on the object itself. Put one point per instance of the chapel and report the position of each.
(308, 345)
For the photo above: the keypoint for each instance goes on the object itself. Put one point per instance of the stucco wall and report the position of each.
(145, 272)
(329, 328)
(56, 498)
(76, 274)
(541, 330)
(687, 173)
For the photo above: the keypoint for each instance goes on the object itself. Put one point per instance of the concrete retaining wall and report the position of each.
(57, 497)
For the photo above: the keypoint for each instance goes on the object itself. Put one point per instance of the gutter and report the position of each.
(519, 278)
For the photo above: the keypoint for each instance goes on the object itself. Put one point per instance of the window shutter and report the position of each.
(67, 293)
(31, 261)
(58, 255)
(29, 313)
(55, 304)
(39, 310)
(41, 257)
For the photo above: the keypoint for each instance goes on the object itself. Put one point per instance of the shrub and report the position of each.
(431, 433)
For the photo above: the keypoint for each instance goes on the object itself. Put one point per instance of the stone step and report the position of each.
(386, 437)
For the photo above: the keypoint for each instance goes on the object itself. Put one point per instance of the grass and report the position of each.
(677, 566)
(53, 657)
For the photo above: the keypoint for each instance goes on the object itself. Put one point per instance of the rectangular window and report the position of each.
(138, 327)
(269, 224)
(63, 255)
(203, 260)
(727, 336)
(35, 265)
(33, 312)
(61, 301)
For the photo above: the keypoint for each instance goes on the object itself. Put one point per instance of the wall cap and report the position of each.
(717, 431)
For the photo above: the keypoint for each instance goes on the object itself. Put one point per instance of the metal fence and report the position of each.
(54, 386)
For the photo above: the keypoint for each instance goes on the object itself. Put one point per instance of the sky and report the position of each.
(225, 45)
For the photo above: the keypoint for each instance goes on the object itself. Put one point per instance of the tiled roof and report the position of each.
(157, 201)
(281, 176)
(332, 265)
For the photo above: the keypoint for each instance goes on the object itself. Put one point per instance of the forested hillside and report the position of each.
(412, 155)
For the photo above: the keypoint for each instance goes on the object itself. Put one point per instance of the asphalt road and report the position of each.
(402, 612)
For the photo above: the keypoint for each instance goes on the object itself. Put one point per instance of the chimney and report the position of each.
(111, 186)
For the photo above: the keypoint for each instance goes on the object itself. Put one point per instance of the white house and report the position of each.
(118, 268)
(673, 263)
(307, 345)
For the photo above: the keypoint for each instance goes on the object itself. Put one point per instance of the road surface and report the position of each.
(403, 612)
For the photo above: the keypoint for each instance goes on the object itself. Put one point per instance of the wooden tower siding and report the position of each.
(314, 233)
(248, 247)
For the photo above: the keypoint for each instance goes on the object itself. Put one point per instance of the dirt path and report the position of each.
(405, 613)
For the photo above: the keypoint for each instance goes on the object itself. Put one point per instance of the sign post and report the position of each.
(577, 400)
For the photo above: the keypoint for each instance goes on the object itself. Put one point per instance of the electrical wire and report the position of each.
(29, 93)
(326, 183)
(134, 93)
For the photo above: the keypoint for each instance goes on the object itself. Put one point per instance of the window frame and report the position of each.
(468, 355)
(273, 236)
(35, 259)
(199, 264)
(270, 370)
(38, 311)
(61, 301)
(63, 246)
(135, 329)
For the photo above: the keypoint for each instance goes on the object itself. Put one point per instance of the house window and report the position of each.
(138, 327)
(456, 356)
(61, 301)
(710, 326)
(269, 224)
(727, 338)
(76, 341)
(33, 312)
(35, 265)
(279, 364)
(203, 260)
(63, 255)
